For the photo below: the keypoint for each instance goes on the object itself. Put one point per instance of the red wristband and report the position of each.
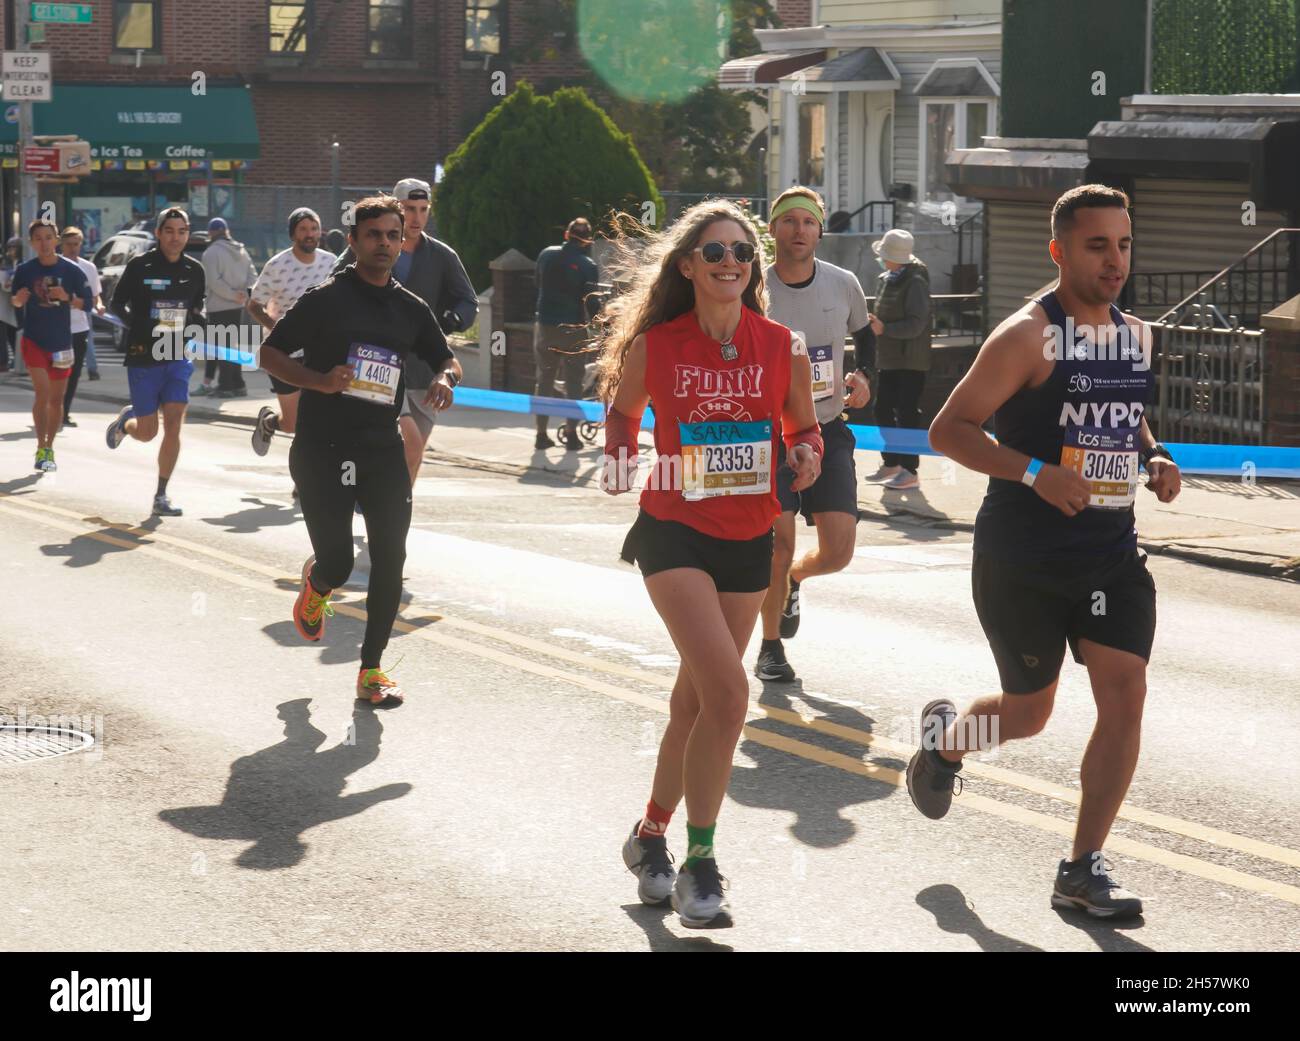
(620, 432)
(811, 436)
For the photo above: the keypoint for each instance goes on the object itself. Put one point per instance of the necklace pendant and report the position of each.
(729, 352)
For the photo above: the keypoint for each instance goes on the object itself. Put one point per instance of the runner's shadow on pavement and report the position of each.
(953, 913)
(653, 921)
(1108, 936)
(554, 468)
(264, 515)
(816, 794)
(275, 795)
(19, 435)
(85, 550)
(911, 528)
(21, 485)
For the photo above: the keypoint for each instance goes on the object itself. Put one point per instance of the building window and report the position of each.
(812, 144)
(137, 26)
(287, 33)
(946, 124)
(390, 29)
(483, 26)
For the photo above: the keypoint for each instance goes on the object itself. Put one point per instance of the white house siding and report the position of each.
(909, 12)
(912, 67)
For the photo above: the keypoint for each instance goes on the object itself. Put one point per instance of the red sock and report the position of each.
(655, 821)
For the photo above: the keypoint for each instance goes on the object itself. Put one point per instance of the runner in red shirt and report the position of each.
(690, 336)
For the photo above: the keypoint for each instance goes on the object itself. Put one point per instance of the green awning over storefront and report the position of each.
(147, 122)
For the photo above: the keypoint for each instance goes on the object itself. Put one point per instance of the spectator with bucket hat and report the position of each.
(902, 322)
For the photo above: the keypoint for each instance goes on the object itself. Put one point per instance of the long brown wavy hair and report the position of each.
(655, 290)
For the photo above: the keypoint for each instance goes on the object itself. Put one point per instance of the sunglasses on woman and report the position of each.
(714, 252)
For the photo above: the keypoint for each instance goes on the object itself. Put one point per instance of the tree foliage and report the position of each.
(534, 164)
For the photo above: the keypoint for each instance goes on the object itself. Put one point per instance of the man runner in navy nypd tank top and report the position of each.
(1067, 379)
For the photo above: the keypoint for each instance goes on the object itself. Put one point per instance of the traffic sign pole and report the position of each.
(27, 197)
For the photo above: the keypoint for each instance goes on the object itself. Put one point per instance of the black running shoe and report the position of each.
(1086, 884)
(930, 777)
(790, 613)
(772, 665)
(162, 507)
(543, 441)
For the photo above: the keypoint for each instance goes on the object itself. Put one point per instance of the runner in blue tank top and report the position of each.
(1067, 380)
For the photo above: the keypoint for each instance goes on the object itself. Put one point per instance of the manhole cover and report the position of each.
(24, 744)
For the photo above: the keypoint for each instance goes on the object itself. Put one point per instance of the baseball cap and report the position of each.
(217, 224)
(412, 188)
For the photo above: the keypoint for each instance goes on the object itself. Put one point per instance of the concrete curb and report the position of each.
(1283, 568)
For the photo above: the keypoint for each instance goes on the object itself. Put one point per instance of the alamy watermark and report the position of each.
(1098, 343)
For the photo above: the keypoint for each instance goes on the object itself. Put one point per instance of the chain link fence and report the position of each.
(258, 214)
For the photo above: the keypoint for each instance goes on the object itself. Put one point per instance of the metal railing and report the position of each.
(1210, 383)
(970, 239)
(1265, 276)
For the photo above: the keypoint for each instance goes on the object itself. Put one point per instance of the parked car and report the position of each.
(111, 258)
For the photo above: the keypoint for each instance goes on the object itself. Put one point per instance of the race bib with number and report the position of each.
(823, 371)
(168, 316)
(377, 371)
(62, 359)
(726, 459)
(1107, 458)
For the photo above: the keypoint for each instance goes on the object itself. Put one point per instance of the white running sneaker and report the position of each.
(267, 423)
(699, 898)
(650, 861)
(883, 474)
(902, 481)
(117, 429)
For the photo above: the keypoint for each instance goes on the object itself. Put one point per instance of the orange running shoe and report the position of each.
(311, 608)
(376, 688)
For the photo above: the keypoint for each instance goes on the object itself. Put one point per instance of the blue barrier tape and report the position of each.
(1223, 460)
(1237, 460)
(215, 352)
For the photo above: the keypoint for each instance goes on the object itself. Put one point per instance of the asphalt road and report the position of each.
(237, 799)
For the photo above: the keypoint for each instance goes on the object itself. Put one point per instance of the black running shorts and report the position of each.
(736, 566)
(280, 387)
(836, 490)
(1031, 611)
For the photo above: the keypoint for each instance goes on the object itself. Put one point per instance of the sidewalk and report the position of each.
(1220, 522)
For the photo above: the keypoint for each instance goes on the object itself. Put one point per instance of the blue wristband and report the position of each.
(1031, 471)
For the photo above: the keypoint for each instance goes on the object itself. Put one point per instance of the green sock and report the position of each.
(699, 843)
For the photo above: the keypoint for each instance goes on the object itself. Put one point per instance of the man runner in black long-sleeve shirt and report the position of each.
(356, 330)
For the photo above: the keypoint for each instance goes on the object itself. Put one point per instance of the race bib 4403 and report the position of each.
(726, 459)
(1107, 458)
(376, 372)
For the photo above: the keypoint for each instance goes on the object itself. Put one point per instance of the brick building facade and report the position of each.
(398, 101)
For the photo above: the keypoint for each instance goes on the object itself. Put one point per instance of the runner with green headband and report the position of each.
(822, 303)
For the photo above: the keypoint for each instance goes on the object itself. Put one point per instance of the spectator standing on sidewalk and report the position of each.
(230, 273)
(566, 277)
(13, 252)
(82, 330)
(902, 322)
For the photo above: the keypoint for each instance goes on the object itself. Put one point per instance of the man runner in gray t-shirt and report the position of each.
(822, 303)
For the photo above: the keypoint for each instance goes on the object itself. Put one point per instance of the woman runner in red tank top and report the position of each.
(690, 337)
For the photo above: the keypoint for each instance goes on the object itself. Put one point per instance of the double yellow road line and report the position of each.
(466, 637)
